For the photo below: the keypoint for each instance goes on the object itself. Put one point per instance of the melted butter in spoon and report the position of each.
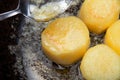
(48, 11)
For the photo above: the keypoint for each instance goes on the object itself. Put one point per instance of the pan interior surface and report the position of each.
(30, 56)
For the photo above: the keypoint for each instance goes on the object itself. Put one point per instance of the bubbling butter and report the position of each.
(48, 11)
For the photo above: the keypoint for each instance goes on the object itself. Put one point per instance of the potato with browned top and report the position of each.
(112, 37)
(98, 15)
(101, 63)
(65, 40)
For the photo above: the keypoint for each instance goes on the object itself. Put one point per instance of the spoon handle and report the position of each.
(9, 14)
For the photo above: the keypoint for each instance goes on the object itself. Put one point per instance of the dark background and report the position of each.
(10, 30)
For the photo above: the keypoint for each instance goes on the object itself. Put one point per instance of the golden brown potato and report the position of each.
(100, 63)
(112, 37)
(65, 40)
(98, 15)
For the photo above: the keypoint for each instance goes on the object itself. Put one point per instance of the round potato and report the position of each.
(112, 36)
(100, 63)
(98, 15)
(65, 40)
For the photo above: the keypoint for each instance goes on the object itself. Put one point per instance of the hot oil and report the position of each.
(36, 65)
(10, 30)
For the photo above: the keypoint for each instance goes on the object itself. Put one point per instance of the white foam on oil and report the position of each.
(48, 11)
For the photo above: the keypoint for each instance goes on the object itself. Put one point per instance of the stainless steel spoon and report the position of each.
(45, 11)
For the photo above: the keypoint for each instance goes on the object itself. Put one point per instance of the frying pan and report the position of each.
(10, 30)
(32, 64)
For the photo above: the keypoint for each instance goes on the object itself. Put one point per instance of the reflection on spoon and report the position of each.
(48, 11)
(41, 12)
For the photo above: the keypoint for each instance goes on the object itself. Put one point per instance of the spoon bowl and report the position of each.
(43, 11)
